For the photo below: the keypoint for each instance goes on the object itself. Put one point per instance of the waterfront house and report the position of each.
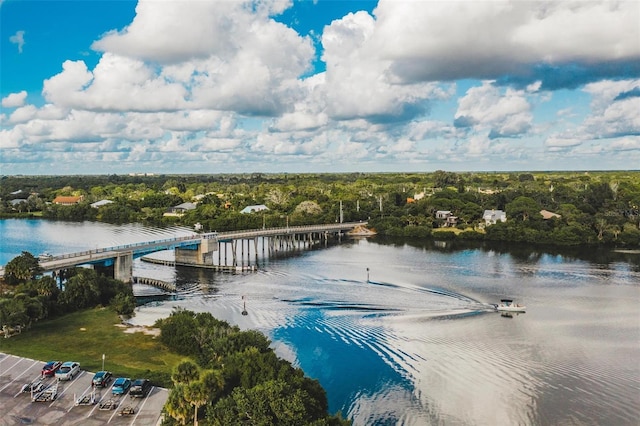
(180, 209)
(100, 203)
(447, 218)
(256, 208)
(67, 200)
(491, 217)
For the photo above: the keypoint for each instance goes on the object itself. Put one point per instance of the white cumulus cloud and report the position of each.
(445, 40)
(14, 100)
(117, 83)
(222, 85)
(486, 107)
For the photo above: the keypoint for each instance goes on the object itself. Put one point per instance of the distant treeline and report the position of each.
(586, 207)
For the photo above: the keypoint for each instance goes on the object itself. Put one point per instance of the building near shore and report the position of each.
(67, 200)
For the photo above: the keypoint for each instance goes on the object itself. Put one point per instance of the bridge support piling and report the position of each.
(123, 266)
(255, 246)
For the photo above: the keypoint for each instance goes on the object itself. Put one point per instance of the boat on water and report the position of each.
(507, 305)
(45, 256)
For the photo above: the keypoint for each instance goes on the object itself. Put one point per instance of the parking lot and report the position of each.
(18, 408)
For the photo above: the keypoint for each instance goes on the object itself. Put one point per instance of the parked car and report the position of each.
(67, 370)
(101, 379)
(121, 386)
(140, 388)
(50, 368)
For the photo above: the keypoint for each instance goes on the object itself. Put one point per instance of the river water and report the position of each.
(400, 333)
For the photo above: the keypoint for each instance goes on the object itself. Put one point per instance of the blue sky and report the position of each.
(318, 86)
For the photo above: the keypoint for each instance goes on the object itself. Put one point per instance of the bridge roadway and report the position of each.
(107, 256)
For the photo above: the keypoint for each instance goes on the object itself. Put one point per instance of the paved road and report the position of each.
(18, 409)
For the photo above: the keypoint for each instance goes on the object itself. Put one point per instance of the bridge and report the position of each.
(197, 249)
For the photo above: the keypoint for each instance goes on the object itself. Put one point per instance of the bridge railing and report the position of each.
(211, 235)
(194, 237)
(250, 233)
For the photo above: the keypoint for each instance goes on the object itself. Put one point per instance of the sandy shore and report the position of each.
(127, 328)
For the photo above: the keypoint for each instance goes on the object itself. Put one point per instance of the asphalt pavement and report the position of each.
(19, 408)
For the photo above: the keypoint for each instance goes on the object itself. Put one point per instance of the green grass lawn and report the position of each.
(85, 336)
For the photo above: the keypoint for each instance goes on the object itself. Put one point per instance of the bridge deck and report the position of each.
(101, 255)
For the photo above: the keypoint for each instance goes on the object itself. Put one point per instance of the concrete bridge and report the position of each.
(194, 250)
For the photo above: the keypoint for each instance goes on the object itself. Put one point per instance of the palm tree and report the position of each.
(177, 406)
(185, 373)
(214, 382)
(197, 394)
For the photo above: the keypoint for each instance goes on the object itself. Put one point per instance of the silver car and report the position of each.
(67, 370)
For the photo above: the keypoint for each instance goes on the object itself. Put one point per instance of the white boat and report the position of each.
(45, 256)
(507, 305)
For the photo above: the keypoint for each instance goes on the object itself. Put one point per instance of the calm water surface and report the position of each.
(416, 344)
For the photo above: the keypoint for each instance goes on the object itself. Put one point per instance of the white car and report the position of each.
(67, 370)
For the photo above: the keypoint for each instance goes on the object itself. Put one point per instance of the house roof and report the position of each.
(548, 215)
(101, 203)
(185, 206)
(494, 215)
(255, 208)
(67, 199)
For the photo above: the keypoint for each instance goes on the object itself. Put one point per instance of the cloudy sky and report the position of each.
(318, 86)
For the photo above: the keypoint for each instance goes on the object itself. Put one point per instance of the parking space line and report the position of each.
(5, 386)
(66, 387)
(102, 395)
(142, 405)
(23, 369)
(31, 381)
(81, 395)
(122, 399)
(7, 356)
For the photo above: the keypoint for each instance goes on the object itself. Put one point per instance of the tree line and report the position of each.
(233, 377)
(596, 208)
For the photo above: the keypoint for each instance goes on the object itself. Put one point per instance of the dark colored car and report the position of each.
(101, 378)
(50, 368)
(120, 386)
(140, 388)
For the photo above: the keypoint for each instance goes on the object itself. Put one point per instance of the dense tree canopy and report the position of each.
(22, 268)
(238, 379)
(32, 297)
(594, 208)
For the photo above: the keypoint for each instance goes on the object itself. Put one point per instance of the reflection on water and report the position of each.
(417, 343)
(59, 237)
